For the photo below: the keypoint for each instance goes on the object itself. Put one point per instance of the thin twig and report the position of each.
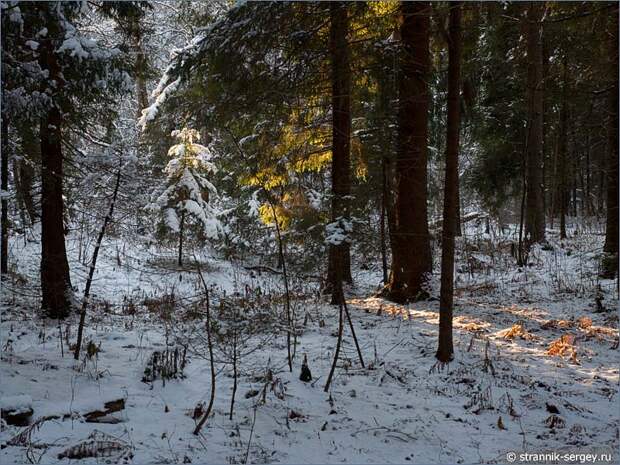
(247, 452)
(210, 345)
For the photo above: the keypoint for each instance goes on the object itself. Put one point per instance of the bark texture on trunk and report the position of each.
(411, 260)
(445, 349)
(535, 213)
(610, 265)
(55, 280)
(339, 264)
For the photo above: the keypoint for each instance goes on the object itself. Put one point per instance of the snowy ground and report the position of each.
(497, 396)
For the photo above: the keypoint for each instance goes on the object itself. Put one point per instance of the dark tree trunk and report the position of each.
(610, 265)
(562, 148)
(535, 214)
(55, 280)
(383, 238)
(544, 44)
(450, 206)
(339, 265)
(411, 260)
(181, 231)
(4, 187)
(386, 142)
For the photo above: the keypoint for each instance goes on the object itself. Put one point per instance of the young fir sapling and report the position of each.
(188, 194)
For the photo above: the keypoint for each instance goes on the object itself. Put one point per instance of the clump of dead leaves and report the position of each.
(598, 332)
(470, 324)
(516, 331)
(558, 324)
(564, 346)
(585, 325)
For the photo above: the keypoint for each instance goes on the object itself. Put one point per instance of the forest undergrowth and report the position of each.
(534, 368)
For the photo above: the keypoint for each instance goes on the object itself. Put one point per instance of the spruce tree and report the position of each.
(188, 194)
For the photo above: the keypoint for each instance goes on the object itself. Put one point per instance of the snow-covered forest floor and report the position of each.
(515, 384)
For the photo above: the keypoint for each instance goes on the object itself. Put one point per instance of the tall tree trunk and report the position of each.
(4, 187)
(386, 91)
(610, 264)
(55, 280)
(535, 214)
(339, 265)
(450, 205)
(562, 148)
(385, 141)
(544, 44)
(411, 260)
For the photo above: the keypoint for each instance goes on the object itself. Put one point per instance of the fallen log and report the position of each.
(16, 410)
(101, 416)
